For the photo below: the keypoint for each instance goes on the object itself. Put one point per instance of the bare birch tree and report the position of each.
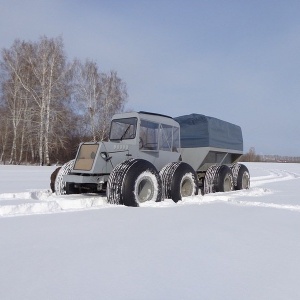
(88, 93)
(114, 97)
(100, 96)
(4, 132)
(13, 94)
(49, 105)
(47, 64)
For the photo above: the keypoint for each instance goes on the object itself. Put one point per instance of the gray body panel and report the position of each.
(204, 141)
(202, 158)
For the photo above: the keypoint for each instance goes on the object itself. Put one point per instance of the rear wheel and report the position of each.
(179, 180)
(241, 176)
(134, 182)
(218, 179)
(224, 180)
(210, 179)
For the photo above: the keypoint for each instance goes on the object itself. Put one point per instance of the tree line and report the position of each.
(49, 104)
(251, 156)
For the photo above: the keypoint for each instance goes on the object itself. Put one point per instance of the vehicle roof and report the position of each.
(149, 116)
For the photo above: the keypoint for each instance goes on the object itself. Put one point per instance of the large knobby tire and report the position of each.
(179, 180)
(224, 179)
(210, 179)
(60, 184)
(53, 178)
(241, 176)
(133, 182)
(218, 179)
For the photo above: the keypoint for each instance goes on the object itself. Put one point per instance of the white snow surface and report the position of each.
(235, 245)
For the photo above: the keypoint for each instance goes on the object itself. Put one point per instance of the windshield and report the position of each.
(86, 157)
(123, 129)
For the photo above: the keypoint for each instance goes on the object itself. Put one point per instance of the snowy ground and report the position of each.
(236, 245)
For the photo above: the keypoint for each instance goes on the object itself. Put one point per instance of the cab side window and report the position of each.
(165, 141)
(169, 138)
(148, 135)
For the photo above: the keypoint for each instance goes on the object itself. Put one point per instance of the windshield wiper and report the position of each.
(123, 135)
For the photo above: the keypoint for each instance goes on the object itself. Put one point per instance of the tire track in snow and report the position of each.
(266, 205)
(44, 202)
(237, 198)
(274, 176)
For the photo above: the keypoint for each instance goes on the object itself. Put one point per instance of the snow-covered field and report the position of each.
(236, 245)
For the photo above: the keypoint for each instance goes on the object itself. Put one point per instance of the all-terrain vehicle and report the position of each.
(151, 157)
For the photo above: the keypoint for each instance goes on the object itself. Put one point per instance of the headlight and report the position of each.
(104, 155)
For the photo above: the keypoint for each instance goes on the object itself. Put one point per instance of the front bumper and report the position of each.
(85, 179)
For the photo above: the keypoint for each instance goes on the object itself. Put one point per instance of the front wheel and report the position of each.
(60, 185)
(53, 178)
(133, 182)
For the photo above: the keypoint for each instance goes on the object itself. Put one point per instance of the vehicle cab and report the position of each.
(149, 136)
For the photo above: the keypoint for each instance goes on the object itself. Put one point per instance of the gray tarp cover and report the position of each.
(202, 131)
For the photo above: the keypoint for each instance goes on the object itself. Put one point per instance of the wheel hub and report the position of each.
(245, 181)
(145, 190)
(187, 188)
(227, 184)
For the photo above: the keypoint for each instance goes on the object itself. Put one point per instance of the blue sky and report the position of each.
(235, 60)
